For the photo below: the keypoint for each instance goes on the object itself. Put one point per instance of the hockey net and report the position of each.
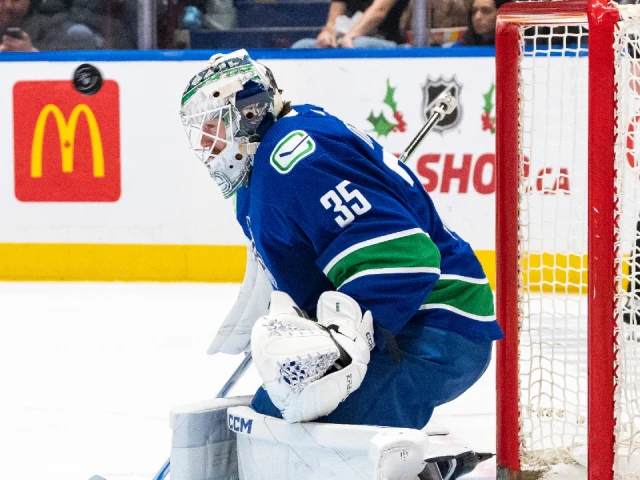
(568, 198)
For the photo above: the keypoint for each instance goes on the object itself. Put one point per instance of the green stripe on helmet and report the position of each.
(207, 80)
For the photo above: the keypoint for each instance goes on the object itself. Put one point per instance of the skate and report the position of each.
(452, 467)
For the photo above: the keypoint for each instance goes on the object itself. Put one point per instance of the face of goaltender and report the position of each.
(214, 131)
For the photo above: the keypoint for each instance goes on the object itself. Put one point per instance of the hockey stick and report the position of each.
(233, 379)
(443, 105)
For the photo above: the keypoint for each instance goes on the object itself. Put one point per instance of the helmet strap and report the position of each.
(248, 148)
(229, 88)
(278, 103)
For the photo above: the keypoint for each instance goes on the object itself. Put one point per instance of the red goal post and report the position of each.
(567, 106)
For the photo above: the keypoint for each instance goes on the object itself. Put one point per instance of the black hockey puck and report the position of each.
(87, 79)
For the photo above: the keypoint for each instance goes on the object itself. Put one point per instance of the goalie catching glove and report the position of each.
(308, 368)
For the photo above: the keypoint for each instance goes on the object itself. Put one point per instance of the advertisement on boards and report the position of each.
(114, 167)
(66, 144)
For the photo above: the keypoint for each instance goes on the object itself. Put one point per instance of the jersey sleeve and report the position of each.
(369, 244)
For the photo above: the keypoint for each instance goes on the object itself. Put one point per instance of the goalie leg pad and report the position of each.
(273, 449)
(202, 445)
(234, 334)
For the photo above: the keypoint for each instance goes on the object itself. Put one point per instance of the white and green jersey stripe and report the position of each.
(409, 251)
(469, 297)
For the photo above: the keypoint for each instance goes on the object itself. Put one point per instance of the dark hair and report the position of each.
(286, 108)
(472, 38)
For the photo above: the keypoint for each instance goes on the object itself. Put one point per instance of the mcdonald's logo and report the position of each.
(66, 145)
(67, 131)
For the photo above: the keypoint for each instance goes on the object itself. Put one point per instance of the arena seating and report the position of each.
(267, 24)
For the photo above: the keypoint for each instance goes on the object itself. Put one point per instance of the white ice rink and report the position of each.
(89, 372)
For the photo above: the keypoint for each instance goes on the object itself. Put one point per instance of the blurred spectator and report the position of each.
(29, 27)
(209, 15)
(449, 20)
(105, 18)
(482, 23)
(359, 24)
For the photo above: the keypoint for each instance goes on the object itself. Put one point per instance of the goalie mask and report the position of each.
(226, 110)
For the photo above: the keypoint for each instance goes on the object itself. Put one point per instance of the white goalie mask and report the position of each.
(226, 110)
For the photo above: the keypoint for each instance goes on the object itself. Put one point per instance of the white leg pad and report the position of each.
(398, 455)
(203, 447)
(273, 449)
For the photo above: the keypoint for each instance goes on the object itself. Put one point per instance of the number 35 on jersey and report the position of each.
(346, 201)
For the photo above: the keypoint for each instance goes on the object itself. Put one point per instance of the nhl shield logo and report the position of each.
(430, 92)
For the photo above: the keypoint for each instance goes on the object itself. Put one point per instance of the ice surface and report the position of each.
(89, 372)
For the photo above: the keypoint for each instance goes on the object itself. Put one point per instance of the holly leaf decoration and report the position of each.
(381, 125)
(388, 98)
(488, 99)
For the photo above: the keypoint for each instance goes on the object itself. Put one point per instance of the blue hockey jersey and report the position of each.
(327, 208)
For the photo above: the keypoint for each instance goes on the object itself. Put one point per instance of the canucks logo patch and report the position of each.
(291, 149)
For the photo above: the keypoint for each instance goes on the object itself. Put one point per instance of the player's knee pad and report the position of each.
(203, 444)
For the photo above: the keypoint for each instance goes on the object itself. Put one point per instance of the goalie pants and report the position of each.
(434, 367)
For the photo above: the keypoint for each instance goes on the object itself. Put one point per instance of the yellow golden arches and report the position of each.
(67, 132)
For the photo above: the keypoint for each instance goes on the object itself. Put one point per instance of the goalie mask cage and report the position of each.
(568, 195)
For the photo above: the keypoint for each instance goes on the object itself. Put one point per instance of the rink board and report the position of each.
(155, 214)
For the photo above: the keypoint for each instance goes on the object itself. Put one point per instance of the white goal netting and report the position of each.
(627, 186)
(553, 240)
